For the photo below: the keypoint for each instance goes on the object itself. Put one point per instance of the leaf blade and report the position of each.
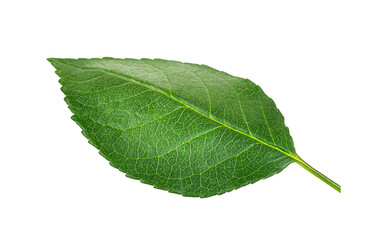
(161, 78)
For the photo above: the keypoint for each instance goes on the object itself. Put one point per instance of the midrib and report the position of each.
(151, 87)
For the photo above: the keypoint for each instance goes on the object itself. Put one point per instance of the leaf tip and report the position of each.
(52, 60)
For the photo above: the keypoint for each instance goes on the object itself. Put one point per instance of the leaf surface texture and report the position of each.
(185, 128)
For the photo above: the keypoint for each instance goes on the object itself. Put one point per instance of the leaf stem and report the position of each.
(318, 174)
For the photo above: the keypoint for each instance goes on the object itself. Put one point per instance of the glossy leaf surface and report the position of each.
(185, 128)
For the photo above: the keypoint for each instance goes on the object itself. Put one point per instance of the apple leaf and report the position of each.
(185, 128)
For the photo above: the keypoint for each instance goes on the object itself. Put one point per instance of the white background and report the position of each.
(321, 61)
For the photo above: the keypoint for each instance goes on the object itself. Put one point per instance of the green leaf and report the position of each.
(185, 128)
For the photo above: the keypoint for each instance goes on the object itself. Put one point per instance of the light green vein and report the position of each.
(163, 92)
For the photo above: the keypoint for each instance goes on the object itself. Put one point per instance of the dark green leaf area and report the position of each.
(185, 128)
